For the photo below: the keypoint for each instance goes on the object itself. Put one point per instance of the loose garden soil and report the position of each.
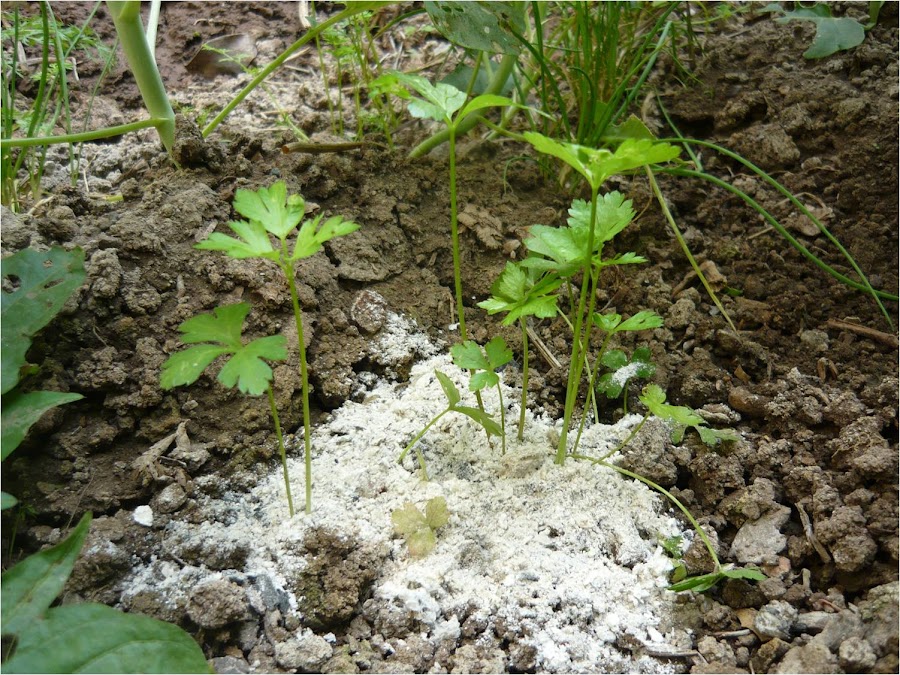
(541, 568)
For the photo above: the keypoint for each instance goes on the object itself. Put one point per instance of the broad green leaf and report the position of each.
(632, 127)
(614, 213)
(482, 379)
(43, 281)
(31, 586)
(247, 369)
(643, 320)
(832, 34)
(440, 100)
(607, 322)
(487, 101)
(186, 366)
(614, 359)
(572, 154)
(485, 420)
(468, 356)
(408, 519)
(632, 154)
(254, 241)
(223, 326)
(7, 501)
(421, 542)
(436, 512)
(20, 411)
(498, 354)
(272, 208)
(450, 390)
(92, 638)
(484, 26)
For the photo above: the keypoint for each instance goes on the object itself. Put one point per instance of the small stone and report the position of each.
(169, 499)
(856, 655)
(812, 622)
(230, 665)
(745, 401)
(369, 311)
(760, 541)
(217, 603)
(767, 654)
(307, 652)
(775, 620)
(143, 515)
(811, 658)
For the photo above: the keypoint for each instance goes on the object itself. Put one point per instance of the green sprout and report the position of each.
(522, 292)
(453, 405)
(219, 334)
(612, 384)
(272, 212)
(418, 528)
(483, 364)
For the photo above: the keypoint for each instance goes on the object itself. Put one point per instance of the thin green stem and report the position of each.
(628, 439)
(668, 495)
(421, 434)
(304, 375)
(281, 451)
(524, 378)
(502, 419)
(454, 235)
(82, 137)
(591, 392)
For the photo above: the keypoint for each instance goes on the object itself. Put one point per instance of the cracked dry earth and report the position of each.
(541, 568)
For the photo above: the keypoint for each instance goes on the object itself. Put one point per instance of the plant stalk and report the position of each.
(524, 378)
(281, 450)
(304, 379)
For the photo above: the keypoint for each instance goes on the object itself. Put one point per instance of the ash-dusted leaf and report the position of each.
(254, 242)
(222, 326)
(644, 359)
(469, 356)
(498, 354)
(247, 369)
(421, 542)
(185, 367)
(485, 420)
(436, 512)
(271, 207)
(614, 359)
(643, 320)
(408, 519)
(450, 390)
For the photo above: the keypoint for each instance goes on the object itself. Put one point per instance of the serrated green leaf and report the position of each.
(30, 587)
(45, 280)
(498, 353)
(712, 437)
(21, 411)
(643, 320)
(311, 237)
(485, 420)
(744, 573)
(223, 326)
(92, 638)
(614, 213)
(614, 359)
(247, 369)
(254, 242)
(436, 512)
(184, 367)
(482, 379)
(421, 542)
(408, 519)
(450, 390)
(469, 356)
(607, 322)
(440, 100)
(272, 208)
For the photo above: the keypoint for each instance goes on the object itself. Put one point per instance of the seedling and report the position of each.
(681, 417)
(522, 292)
(612, 384)
(453, 405)
(418, 528)
(219, 334)
(271, 212)
(482, 365)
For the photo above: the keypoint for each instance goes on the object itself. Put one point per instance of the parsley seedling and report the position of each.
(418, 528)
(219, 334)
(483, 364)
(271, 212)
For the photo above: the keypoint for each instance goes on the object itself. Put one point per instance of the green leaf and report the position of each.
(498, 354)
(682, 417)
(522, 292)
(20, 411)
(712, 437)
(247, 369)
(43, 282)
(254, 242)
(482, 379)
(7, 501)
(483, 26)
(614, 359)
(485, 420)
(223, 326)
(607, 322)
(704, 582)
(436, 512)
(421, 542)
(832, 35)
(311, 237)
(440, 100)
(468, 356)
(272, 208)
(487, 101)
(183, 368)
(643, 320)
(31, 586)
(744, 573)
(408, 519)
(92, 638)
(614, 213)
(450, 390)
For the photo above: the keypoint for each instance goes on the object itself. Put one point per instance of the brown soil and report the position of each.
(815, 401)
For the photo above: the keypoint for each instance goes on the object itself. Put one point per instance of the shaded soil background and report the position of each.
(810, 493)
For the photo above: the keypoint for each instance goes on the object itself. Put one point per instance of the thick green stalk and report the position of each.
(465, 125)
(524, 378)
(304, 378)
(127, 18)
(281, 450)
(576, 363)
